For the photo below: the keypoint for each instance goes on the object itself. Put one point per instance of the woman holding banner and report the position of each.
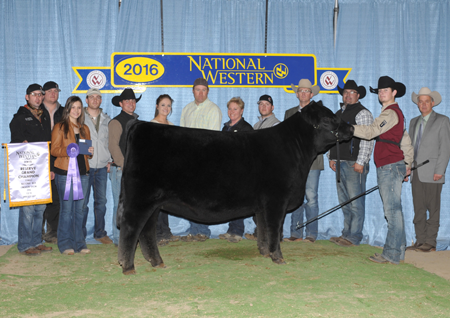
(71, 175)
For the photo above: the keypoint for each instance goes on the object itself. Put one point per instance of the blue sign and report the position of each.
(141, 70)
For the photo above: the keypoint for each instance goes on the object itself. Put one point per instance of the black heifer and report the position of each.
(214, 177)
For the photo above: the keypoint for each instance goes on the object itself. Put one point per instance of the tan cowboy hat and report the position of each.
(305, 83)
(435, 96)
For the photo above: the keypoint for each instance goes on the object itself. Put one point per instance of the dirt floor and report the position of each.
(433, 262)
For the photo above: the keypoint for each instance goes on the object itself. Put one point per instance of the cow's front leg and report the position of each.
(148, 242)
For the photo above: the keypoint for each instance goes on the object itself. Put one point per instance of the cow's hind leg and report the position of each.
(262, 236)
(132, 224)
(127, 247)
(147, 241)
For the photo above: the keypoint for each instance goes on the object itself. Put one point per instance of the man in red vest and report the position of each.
(393, 157)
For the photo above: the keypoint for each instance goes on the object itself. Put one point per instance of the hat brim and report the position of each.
(314, 89)
(399, 87)
(117, 99)
(360, 89)
(434, 95)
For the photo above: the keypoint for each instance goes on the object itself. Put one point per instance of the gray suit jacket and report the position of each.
(318, 162)
(434, 146)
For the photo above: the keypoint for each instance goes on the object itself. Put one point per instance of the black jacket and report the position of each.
(241, 125)
(24, 126)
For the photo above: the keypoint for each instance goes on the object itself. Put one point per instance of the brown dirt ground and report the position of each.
(433, 262)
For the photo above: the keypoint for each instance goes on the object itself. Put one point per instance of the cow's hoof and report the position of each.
(162, 265)
(279, 261)
(130, 272)
(266, 255)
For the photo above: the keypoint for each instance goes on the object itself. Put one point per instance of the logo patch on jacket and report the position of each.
(28, 118)
(383, 123)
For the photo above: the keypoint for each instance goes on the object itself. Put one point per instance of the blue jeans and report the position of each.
(115, 175)
(197, 228)
(311, 208)
(390, 178)
(97, 180)
(71, 216)
(352, 184)
(30, 226)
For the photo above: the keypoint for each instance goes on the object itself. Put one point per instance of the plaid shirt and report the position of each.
(365, 118)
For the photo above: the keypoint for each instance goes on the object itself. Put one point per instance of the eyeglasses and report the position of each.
(350, 92)
(36, 94)
(304, 91)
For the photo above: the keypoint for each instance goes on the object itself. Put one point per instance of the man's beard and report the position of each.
(29, 105)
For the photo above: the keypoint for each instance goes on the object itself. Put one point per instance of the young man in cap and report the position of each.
(393, 157)
(201, 113)
(117, 129)
(305, 91)
(31, 123)
(99, 164)
(354, 164)
(266, 120)
(431, 134)
(51, 214)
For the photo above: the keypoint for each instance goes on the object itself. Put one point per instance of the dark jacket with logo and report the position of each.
(241, 125)
(24, 126)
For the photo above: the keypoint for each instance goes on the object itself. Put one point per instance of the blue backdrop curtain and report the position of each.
(41, 41)
(407, 40)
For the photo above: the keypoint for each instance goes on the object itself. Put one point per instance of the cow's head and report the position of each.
(328, 127)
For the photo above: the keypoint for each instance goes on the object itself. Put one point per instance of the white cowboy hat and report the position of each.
(425, 91)
(305, 83)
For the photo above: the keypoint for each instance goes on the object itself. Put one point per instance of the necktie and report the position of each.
(418, 138)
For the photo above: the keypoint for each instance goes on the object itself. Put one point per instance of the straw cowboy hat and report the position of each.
(305, 83)
(351, 84)
(425, 91)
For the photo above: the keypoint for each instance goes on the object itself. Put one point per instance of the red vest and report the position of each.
(387, 153)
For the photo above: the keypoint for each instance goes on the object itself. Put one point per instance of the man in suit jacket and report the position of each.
(430, 133)
(305, 91)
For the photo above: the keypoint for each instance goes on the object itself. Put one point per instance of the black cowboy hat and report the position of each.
(385, 82)
(126, 94)
(351, 84)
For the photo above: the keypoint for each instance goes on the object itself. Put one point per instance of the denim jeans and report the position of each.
(352, 184)
(115, 175)
(197, 228)
(97, 180)
(71, 216)
(311, 208)
(30, 226)
(390, 178)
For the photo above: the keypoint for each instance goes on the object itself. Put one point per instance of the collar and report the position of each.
(202, 104)
(263, 119)
(384, 107)
(426, 117)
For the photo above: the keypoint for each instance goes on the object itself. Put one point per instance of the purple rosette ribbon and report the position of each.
(73, 173)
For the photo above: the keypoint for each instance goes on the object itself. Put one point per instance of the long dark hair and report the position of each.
(65, 120)
(160, 98)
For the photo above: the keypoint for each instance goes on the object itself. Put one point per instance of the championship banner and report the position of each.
(141, 70)
(28, 173)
